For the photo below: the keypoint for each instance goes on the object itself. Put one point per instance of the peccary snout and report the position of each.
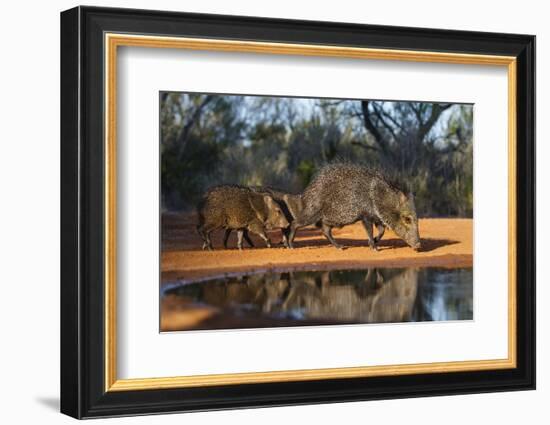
(275, 216)
(406, 225)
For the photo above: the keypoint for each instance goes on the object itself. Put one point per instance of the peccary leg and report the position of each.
(294, 226)
(205, 235)
(240, 233)
(327, 231)
(247, 238)
(244, 234)
(285, 233)
(226, 237)
(207, 242)
(200, 231)
(259, 230)
(265, 238)
(292, 234)
(368, 227)
(381, 229)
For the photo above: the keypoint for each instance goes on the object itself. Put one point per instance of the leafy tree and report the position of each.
(281, 142)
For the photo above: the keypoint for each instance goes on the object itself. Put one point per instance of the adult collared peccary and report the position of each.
(290, 204)
(238, 208)
(342, 194)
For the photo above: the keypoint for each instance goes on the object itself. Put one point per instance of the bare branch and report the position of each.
(364, 145)
(418, 113)
(380, 140)
(436, 112)
(323, 103)
(379, 114)
(183, 136)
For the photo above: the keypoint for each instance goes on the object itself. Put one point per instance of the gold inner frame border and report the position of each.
(113, 40)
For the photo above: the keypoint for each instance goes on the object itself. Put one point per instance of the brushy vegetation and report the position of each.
(281, 142)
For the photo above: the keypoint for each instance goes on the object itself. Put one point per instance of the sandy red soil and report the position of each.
(445, 243)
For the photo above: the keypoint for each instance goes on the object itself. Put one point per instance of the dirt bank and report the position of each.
(445, 243)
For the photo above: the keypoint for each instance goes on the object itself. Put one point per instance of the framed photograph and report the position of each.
(261, 212)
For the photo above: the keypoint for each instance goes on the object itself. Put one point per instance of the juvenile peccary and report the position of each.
(289, 203)
(342, 194)
(238, 208)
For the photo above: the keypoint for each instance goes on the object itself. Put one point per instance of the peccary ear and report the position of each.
(289, 205)
(259, 205)
(402, 198)
(268, 200)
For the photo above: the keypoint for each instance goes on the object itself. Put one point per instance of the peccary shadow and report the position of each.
(310, 231)
(432, 244)
(428, 244)
(312, 237)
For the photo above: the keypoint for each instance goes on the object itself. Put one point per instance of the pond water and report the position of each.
(301, 298)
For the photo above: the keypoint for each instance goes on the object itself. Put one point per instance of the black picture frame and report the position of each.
(83, 392)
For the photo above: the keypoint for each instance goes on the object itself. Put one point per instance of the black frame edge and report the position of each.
(70, 382)
(526, 211)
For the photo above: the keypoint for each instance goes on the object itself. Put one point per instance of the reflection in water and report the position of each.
(377, 295)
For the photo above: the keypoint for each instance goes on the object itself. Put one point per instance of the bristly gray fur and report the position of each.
(343, 193)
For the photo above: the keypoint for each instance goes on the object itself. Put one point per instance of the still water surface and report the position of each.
(300, 298)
